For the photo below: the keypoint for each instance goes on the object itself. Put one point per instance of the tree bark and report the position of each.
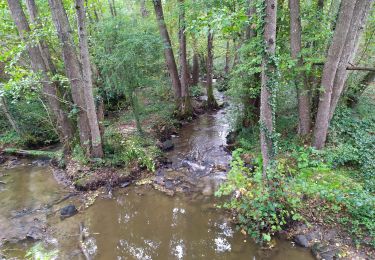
(266, 97)
(304, 120)
(360, 13)
(211, 102)
(329, 72)
(144, 11)
(38, 65)
(186, 108)
(73, 70)
(96, 141)
(168, 51)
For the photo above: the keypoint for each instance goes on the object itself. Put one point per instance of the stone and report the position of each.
(167, 145)
(68, 211)
(324, 251)
(301, 240)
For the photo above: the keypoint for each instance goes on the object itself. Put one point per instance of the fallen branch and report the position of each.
(349, 67)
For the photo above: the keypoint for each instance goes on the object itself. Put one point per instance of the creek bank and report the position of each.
(325, 242)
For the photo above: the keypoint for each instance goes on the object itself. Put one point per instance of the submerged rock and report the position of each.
(68, 211)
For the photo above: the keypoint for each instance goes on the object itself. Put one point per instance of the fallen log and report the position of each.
(32, 153)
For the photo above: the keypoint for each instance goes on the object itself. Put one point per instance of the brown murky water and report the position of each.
(136, 222)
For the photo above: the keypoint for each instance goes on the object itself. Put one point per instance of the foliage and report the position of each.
(352, 143)
(134, 149)
(263, 207)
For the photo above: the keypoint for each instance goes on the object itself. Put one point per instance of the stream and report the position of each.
(136, 222)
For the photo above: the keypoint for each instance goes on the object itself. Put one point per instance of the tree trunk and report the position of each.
(251, 103)
(185, 109)
(168, 51)
(250, 32)
(114, 8)
(195, 69)
(236, 52)
(267, 96)
(73, 70)
(329, 72)
(96, 141)
(9, 116)
(304, 124)
(144, 11)
(111, 8)
(211, 102)
(226, 67)
(360, 13)
(353, 98)
(38, 65)
(320, 4)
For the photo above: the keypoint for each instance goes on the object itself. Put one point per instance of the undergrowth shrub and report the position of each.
(120, 151)
(352, 143)
(262, 206)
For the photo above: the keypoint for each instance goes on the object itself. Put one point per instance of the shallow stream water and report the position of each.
(136, 222)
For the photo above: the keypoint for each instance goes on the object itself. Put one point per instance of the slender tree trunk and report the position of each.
(321, 4)
(250, 33)
(296, 46)
(211, 102)
(144, 11)
(114, 8)
(353, 98)
(236, 52)
(96, 141)
(168, 51)
(195, 69)
(251, 103)
(227, 53)
(329, 72)
(267, 95)
(73, 70)
(111, 8)
(38, 65)
(360, 13)
(9, 116)
(185, 109)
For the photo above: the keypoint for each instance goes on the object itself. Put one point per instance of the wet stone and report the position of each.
(324, 251)
(301, 240)
(167, 145)
(68, 211)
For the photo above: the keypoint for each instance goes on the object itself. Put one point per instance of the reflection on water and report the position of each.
(140, 224)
